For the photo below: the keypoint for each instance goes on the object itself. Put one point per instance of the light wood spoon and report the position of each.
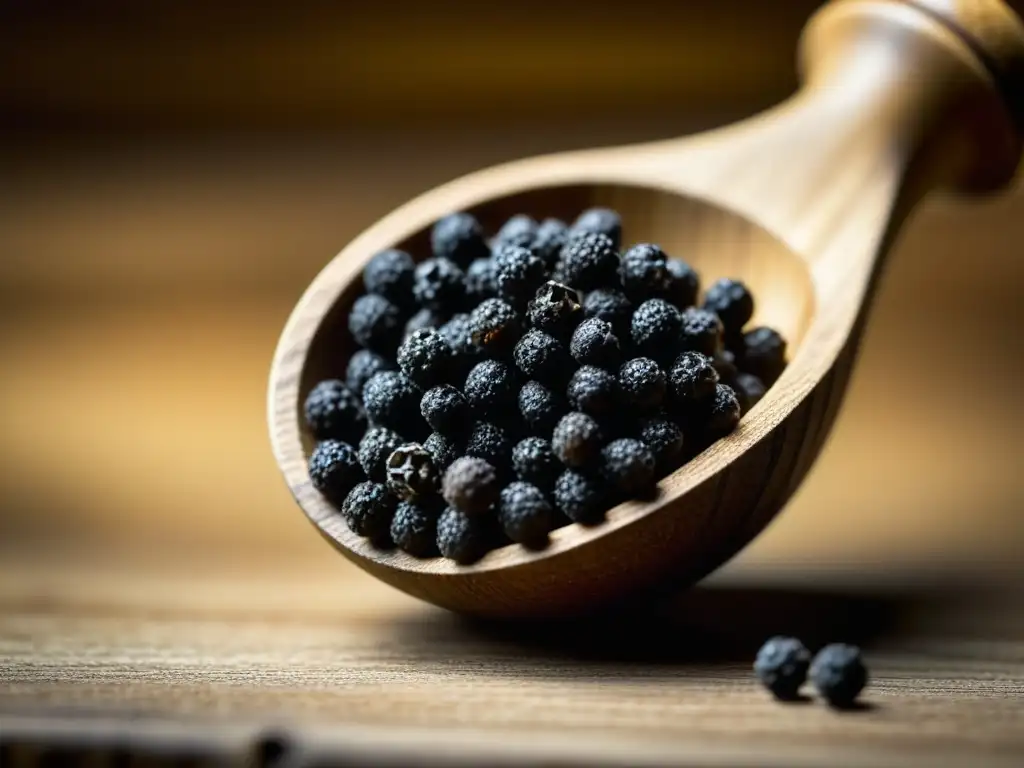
(800, 202)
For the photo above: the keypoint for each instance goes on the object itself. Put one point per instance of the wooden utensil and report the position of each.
(801, 203)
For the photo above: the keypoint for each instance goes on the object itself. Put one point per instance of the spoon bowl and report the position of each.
(799, 203)
(698, 530)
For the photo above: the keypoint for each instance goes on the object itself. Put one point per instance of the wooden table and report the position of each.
(323, 664)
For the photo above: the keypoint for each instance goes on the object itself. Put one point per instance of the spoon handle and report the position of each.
(939, 82)
(996, 35)
(898, 97)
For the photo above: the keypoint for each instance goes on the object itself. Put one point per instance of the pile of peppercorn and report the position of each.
(507, 387)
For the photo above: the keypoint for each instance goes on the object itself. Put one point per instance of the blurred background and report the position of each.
(175, 173)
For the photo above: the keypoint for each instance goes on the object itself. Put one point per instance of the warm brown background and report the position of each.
(172, 175)
(176, 173)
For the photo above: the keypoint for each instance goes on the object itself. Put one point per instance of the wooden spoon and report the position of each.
(800, 202)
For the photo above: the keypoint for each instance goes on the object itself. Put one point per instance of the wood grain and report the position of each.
(895, 103)
(136, 666)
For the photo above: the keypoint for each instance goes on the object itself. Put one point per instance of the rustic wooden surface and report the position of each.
(113, 652)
